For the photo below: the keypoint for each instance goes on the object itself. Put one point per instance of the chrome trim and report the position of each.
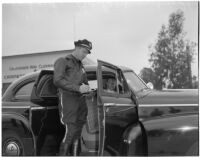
(31, 107)
(166, 105)
(16, 107)
(37, 108)
(12, 149)
(122, 110)
(118, 105)
(109, 104)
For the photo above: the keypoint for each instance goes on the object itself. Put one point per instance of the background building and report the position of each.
(15, 66)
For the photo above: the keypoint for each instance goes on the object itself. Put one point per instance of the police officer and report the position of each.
(71, 80)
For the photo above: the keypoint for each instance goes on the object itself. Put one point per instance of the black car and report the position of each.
(131, 120)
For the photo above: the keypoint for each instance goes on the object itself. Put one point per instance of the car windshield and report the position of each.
(134, 81)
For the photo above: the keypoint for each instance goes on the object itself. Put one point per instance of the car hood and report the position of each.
(172, 96)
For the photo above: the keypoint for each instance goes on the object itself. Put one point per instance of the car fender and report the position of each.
(17, 122)
(134, 141)
(172, 135)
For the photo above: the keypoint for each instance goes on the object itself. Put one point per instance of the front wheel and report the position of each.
(12, 144)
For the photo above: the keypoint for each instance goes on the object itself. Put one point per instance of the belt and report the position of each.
(71, 92)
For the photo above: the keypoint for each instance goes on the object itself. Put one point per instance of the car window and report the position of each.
(48, 88)
(134, 81)
(113, 82)
(24, 93)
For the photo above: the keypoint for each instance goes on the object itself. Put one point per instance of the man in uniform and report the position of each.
(71, 80)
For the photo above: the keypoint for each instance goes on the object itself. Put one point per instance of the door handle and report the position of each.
(109, 104)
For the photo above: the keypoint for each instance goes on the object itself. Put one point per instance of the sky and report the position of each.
(120, 32)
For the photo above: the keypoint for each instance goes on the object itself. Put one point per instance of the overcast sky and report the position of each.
(121, 32)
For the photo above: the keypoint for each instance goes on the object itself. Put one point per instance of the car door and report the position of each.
(50, 131)
(116, 109)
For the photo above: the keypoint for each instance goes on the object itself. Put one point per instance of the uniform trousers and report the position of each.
(73, 113)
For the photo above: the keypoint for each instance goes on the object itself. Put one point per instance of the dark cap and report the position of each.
(84, 43)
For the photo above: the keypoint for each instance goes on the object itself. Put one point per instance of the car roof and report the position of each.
(88, 68)
(94, 67)
(34, 75)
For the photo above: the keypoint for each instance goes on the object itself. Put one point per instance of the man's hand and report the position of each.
(84, 88)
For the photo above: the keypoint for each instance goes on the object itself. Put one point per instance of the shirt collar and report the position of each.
(75, 59)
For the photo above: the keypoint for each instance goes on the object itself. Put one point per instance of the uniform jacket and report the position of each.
(69, 74)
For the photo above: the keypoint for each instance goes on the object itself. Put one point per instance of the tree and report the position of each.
(171, 56)
(147, 75)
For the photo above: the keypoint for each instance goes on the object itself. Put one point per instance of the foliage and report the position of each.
(171, 56)
(147, 75)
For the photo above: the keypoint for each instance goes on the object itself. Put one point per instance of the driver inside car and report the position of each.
(110, 85)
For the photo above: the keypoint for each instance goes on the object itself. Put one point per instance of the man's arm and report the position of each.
(59, 76)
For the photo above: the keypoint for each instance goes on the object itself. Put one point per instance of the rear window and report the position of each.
(24, 92)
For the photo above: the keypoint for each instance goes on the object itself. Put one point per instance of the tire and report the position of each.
(12, 144)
